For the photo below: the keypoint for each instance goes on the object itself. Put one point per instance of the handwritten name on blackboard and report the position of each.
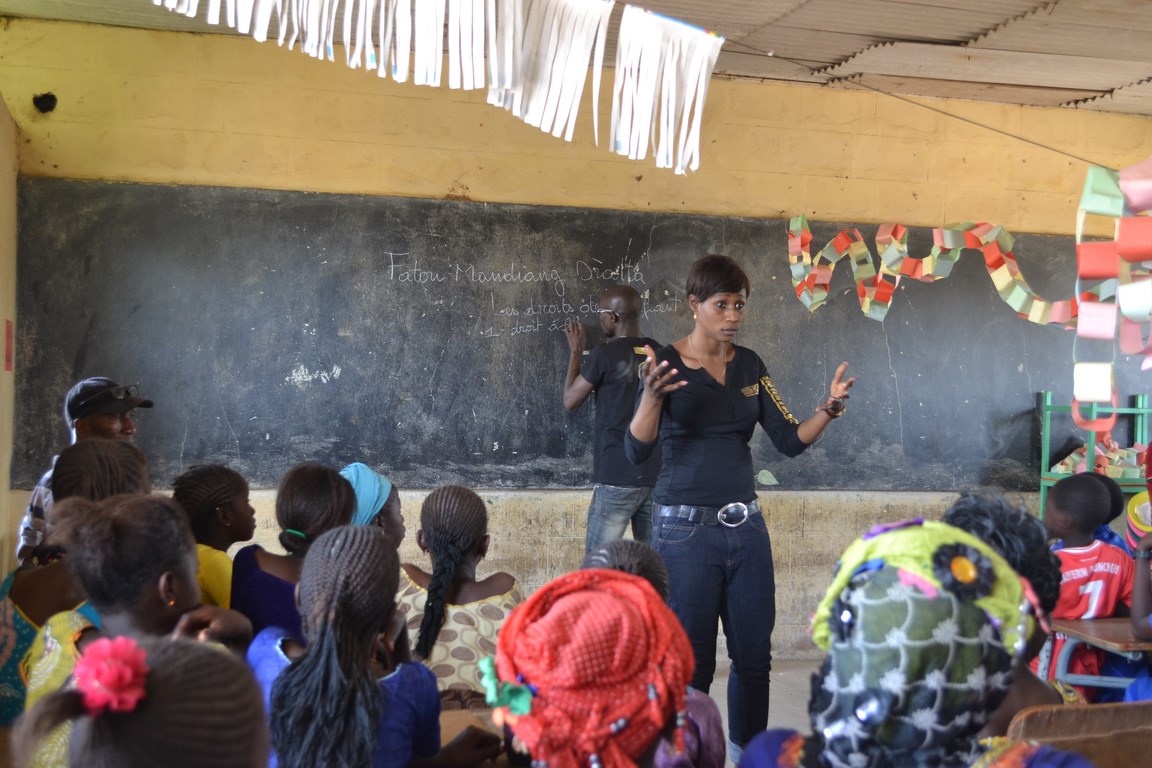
(529, 314)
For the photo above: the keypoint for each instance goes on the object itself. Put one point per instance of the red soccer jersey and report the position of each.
(1094, 580)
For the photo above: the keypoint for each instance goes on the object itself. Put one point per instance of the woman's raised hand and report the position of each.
(658, 378)
(840, 385)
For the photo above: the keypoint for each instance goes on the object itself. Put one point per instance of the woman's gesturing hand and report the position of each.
(658, 378)
(838, 392)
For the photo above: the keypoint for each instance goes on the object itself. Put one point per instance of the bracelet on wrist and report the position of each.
(1139, 554)
(835, 407)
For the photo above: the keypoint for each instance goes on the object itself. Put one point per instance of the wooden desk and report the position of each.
(1113, 635)
(454, 721)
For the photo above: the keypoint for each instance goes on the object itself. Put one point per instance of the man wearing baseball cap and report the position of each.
(95, 407)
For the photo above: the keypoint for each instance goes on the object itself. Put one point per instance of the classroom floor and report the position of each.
(791, 687)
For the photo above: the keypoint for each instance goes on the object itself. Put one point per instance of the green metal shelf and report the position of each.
(1140, 412)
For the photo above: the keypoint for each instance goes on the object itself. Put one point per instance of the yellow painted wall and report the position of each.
(9, 516)
(223, 110)
(173, 108)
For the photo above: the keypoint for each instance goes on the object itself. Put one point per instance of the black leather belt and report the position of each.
(731, 515)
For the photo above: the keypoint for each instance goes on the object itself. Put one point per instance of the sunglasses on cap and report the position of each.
(120, 392)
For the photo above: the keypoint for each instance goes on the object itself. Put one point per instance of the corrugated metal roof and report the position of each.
(1083, 54)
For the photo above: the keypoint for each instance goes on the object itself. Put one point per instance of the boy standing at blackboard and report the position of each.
(623, 491)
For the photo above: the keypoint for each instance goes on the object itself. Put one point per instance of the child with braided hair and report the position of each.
(215, 499)
(377, 501)
(634, 557)
(457, 615)
(44, 587)
(135, 558)
(153, 703)
(310, 500)
(354, 675)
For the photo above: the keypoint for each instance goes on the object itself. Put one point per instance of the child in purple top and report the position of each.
(311, 499)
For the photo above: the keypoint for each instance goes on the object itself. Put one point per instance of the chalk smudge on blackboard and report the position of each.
(302, 377)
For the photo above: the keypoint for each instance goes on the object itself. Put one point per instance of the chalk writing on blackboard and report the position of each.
(403, 271)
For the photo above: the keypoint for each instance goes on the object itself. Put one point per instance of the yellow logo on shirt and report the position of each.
(771, 390)
(751, 391)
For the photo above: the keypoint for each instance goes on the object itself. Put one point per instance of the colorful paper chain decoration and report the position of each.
(874, 288)
(1122, 267)
(1113, 279)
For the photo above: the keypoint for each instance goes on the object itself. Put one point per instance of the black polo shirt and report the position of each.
(705, 429)
(613, 371)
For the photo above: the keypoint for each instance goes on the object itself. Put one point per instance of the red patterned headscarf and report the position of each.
(608, 664)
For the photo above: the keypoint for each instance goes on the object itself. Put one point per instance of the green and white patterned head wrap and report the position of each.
(921, 624)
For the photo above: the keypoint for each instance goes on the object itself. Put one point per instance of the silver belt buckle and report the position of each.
(736, 507)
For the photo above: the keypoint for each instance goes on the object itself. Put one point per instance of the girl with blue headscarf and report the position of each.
(377, 501)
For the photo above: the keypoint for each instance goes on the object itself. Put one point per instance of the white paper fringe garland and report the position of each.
(662, 71)
(539, 60)
(538, 51)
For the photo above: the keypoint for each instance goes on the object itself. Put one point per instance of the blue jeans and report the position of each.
(725, 575)
(612, 507)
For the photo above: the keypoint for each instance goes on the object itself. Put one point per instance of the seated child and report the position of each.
(592, 670)
(135, 558)
(634, 557)
(215, 499)
(922, 624)
(184, 705)
(1096, 577)
(353, 676)
(1141, 619)
(1022, 540)
(93, 469)
(457, 615)
(377, 501)
(704, 739)
(310, 500)
(1116, 507)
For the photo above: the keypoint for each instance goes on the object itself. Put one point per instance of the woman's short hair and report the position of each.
(716, 274)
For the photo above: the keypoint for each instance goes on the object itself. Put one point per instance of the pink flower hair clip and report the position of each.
(111, 675)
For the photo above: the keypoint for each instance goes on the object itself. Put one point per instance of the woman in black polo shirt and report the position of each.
(702, 399)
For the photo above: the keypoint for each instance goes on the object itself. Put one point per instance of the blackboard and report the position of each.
(424, 336)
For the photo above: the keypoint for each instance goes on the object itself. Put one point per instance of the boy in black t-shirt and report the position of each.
(623, 491)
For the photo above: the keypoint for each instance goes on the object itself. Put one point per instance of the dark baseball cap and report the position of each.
(101, 395)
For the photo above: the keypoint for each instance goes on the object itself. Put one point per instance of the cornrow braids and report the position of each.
(453, 519)
(310, 500)
(634, 557)
(347, 594)
(121, 546)
(202, 490)
(95, 469)
(202, 709)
